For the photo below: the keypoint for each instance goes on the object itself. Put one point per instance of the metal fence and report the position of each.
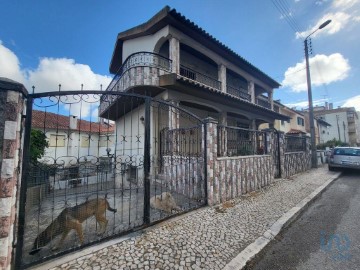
(199, 77)
(295, 143)
(233, 141)
(101, 178)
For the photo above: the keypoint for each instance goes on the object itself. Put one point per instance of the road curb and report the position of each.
(250, 252)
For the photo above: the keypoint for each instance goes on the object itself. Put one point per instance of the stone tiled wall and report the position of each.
(241, 175)
(297, 162)
(230, 177)
(11, 126)
(184, 175)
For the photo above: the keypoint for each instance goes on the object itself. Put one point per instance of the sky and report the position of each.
(46, 43)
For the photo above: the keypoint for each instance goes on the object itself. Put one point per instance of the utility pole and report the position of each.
(344, 132)
(311, 108)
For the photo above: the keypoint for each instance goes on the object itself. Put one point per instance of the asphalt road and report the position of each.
(325, 236)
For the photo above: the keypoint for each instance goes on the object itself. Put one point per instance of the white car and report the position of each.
(344, 157)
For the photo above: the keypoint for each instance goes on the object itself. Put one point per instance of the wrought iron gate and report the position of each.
(114, 162)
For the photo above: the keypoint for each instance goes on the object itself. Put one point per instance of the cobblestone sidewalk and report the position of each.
(208, 238)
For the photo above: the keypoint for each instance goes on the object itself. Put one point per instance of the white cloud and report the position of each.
(323, 69)
(344, 4)
(338, 21)
(305, 104)
(54, 71)
(50, 73)
(353, 102)
(10, 65)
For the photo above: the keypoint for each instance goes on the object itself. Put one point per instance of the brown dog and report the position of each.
(165, 202)
(72, 218)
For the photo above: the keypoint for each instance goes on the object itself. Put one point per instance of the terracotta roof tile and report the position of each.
(50, 120)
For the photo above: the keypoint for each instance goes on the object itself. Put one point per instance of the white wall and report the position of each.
(333, 131)
(72, 150)
(145, 43)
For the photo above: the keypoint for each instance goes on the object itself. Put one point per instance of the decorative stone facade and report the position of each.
(135, 76)
(184, 175)
(296, 162)
(11, 127)
(230, 177)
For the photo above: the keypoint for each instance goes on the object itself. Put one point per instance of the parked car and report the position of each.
(344, 157)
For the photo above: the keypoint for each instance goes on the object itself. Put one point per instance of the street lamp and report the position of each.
(311, 108)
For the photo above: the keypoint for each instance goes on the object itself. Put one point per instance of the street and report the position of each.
(325, 236)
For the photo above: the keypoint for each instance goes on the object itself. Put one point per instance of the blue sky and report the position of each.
(44, 43)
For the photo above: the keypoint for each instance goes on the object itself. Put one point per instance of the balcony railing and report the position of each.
(233, 141)
(263, 103)
(141, 59)
(199, 77)
(295, 143)
(238, 92)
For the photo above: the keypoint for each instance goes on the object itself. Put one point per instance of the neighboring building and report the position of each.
(345, 125)
(321, 127)
(72, 140)
(295, 125)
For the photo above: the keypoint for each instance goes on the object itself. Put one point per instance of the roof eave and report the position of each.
(171, 16)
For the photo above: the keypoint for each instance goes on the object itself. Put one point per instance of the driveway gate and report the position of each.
(105, 152)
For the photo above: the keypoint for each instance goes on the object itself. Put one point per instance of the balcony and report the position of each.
(351, 129)
(238, 92)
(142, 68)
(199, 77)
(146, 68)
(263, 103)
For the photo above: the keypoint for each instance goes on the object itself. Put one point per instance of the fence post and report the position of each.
(308, 153)
(211, 148)
(12, 105)
(147, 162)
(282, 153)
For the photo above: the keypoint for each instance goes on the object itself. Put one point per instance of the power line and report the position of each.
(286, 14)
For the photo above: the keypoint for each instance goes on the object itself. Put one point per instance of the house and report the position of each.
(74, 143)
(345, 124)
(321, 127)
(295, 125)
(171, 58)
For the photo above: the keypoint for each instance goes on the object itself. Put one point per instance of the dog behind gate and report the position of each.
(72, 218)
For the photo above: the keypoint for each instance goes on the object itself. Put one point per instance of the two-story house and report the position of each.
(172, 58)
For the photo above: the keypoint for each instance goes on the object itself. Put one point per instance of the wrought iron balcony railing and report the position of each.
(141, 59)
(263, 103)
(199, 77)
(238, 92)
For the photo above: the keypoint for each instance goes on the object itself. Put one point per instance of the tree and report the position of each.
(332, 143)
(38, 143)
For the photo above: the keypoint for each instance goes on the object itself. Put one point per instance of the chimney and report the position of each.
(73, 122)
(331, 106)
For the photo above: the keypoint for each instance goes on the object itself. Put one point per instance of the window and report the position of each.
(106, 141)
(300, 121)
(85, 141)
(57, 140)
(282, 122)
(350, 115)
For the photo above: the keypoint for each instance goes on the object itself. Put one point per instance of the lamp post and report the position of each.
(311, 108)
